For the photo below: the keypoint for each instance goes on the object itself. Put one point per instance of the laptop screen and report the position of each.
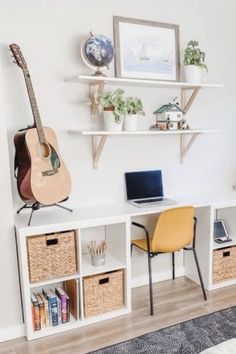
(220, 229)
(144, 184)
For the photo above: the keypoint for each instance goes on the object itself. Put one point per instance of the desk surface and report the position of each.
(56, 216)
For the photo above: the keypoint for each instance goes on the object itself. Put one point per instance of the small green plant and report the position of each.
(134, 106)
(113, 101)
(194, 56)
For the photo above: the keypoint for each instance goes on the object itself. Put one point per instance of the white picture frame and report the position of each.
(146, 50)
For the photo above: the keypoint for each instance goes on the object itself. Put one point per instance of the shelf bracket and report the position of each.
(186, 104)
(98, 142)
(95, 86)
(186, 146)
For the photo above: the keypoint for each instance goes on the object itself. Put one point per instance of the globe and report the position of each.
(97, 51)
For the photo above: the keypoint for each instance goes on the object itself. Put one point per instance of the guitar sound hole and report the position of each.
(45, 150)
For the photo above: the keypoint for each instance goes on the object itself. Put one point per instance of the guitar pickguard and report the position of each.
(55, 161)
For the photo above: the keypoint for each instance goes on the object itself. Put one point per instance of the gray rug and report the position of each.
(189, 337)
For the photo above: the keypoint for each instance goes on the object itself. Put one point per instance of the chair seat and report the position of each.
(142, 243)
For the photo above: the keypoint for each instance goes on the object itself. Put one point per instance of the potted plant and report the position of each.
(112, 105)
(194, 60)
(134, 108)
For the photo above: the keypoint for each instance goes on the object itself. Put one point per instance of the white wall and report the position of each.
(9, 298)
(49, 33)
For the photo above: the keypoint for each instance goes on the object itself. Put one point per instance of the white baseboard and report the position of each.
(156, 277)
(12, 332)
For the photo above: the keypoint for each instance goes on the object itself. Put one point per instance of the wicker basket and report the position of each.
(224, 264)
(103, 293)
(51, 256)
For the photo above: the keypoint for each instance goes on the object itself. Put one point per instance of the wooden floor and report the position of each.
(175, 301)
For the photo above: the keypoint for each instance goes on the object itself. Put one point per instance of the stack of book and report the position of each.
(50, 308)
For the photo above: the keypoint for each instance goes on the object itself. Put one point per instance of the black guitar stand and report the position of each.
(36, 206)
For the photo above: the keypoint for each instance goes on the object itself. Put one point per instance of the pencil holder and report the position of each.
(97, 252)
(98, 260)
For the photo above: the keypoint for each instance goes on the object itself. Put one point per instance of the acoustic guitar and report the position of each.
(41, 174)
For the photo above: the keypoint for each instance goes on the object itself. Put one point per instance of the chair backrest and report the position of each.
(174, 229)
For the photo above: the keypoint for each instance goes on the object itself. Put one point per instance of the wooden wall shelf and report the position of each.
(138, 82)
(99, 138)
(189, 92)
(98, 83)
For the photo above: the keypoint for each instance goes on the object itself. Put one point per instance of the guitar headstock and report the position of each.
(19, 58)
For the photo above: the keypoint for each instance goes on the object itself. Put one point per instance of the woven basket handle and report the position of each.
(226, 253)
(104, 281)
(52, 241)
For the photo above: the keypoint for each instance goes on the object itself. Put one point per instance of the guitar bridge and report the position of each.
(50, 172)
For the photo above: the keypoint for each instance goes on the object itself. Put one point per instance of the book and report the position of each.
(67, 308)
(52, 307)
(35, 313)
(62, 296)
(58, 309)
(41, 309)
(32, 313)
(46, 313)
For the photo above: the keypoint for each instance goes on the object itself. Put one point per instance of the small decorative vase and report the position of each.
(193, 74)
(109, 121)
(131, 122)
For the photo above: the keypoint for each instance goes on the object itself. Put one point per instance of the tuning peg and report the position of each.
(14, 61)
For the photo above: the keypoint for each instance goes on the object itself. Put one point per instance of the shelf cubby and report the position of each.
(226, 244)
(112, 263)
(117, 234)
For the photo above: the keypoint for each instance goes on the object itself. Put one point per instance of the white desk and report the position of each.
(116, 219)
(90, 215)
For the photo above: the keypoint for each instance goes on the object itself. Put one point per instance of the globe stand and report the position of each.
(98, 73)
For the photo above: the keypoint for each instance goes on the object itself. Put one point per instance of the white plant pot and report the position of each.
(110, 123)
(131, 122)
(193, 74)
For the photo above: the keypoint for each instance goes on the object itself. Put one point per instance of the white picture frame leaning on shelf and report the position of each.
(146, 49)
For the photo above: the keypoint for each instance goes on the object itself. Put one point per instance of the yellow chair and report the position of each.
(175, 230)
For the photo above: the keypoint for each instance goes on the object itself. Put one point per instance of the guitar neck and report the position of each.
(34, 107)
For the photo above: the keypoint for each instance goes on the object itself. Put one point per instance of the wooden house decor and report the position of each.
(170, 112)
(169, 116)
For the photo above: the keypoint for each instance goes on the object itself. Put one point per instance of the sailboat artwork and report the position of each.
(142, 55)
(147, 50)
(166, 59)
(146, 59)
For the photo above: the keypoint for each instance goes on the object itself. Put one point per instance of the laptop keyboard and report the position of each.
(149, 200)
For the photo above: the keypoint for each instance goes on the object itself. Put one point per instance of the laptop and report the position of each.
(220, 232)
(145, 189)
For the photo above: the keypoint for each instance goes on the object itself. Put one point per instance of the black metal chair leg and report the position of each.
(199, 274)
(131, 248)
(173, 265)
(150, 284)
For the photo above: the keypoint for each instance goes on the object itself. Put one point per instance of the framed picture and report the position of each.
(146, 49)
